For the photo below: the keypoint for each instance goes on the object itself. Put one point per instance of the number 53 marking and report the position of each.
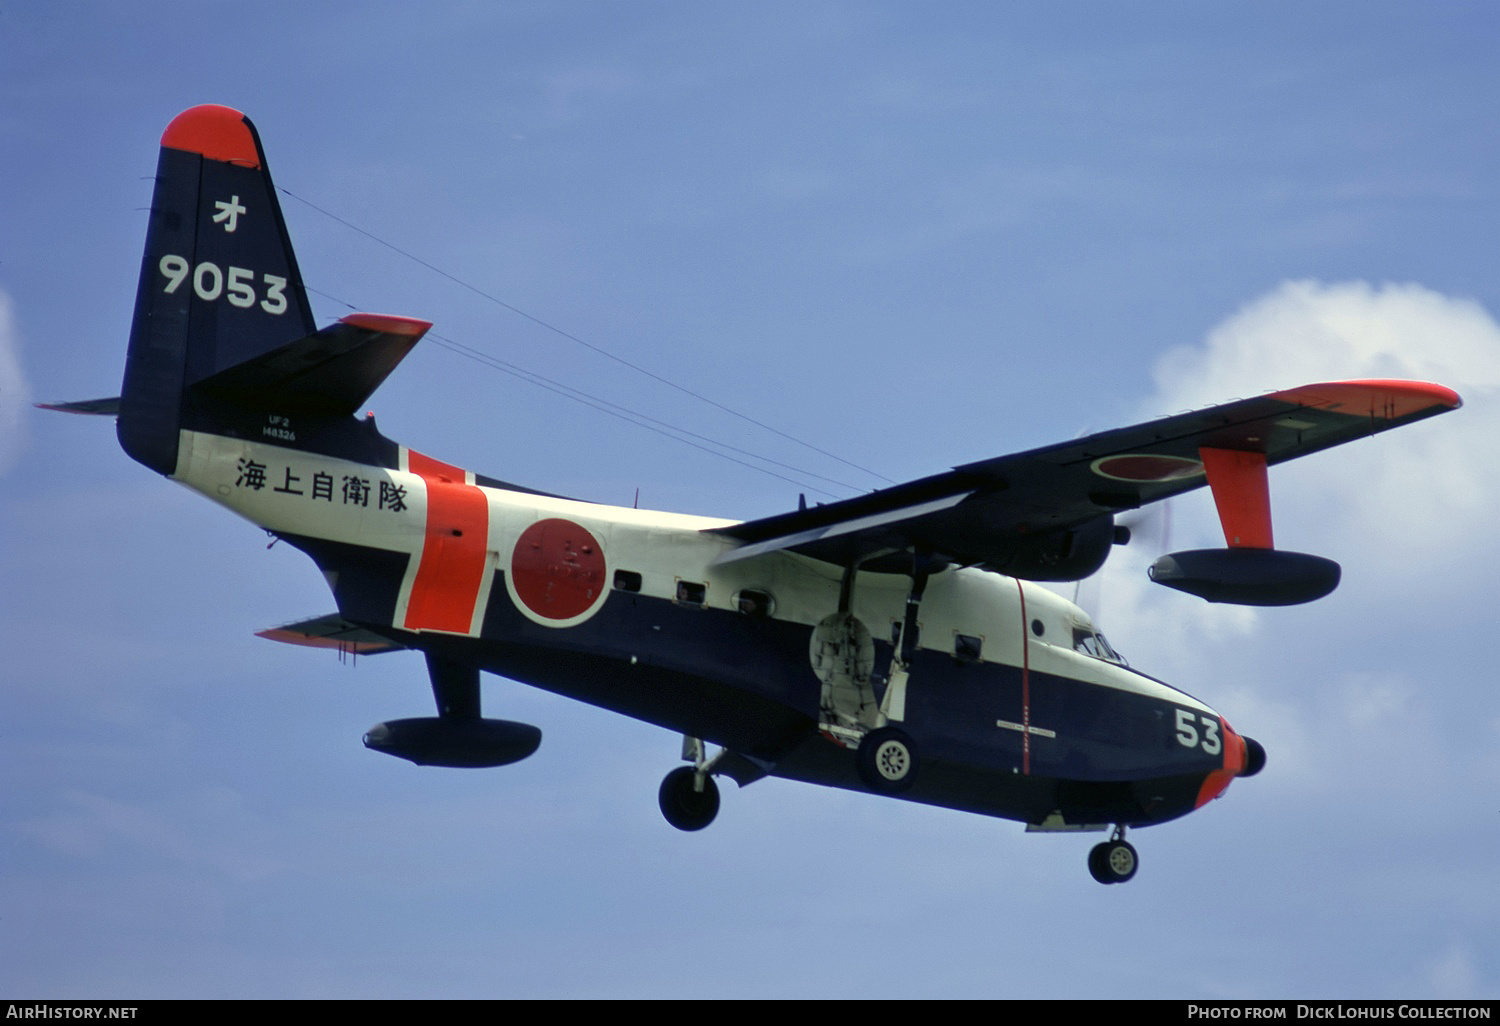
(1188, 736)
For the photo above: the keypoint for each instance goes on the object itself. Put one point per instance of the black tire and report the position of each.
(1097, 869)
(683, 806)
(887, 761)
(1113, 862)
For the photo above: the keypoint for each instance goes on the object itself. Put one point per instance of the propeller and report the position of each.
(1149, 527)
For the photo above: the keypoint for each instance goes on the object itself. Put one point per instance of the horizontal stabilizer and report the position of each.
(329, 373)
(93, 407)
(331, 631)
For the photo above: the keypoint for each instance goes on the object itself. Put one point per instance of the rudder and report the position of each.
(219, 282)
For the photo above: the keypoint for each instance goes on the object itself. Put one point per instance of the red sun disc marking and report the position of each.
(557, 569)
(1146, 467)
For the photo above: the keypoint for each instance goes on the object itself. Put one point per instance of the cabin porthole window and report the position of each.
(754, 603)
(967, 648)
(1038, 628)
(692, 593)
(627, 580)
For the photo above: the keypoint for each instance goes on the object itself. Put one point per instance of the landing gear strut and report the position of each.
(843, 657)
(1114, 861)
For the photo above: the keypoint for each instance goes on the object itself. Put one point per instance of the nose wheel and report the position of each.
(1114, 861)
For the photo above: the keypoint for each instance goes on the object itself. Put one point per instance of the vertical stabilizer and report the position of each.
(219, 282)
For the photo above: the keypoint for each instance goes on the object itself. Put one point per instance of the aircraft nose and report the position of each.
(1243, 757)
(1255, 757)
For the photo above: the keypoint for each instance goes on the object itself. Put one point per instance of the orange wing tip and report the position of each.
(1382, 397)
(215, 132)
(387, 323)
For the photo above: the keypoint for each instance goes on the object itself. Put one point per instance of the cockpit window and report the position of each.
(1092, 643)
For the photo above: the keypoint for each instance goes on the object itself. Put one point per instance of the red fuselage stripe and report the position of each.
(1025, 685)
(451, 572)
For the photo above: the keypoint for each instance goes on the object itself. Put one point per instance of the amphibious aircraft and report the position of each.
(897, 642)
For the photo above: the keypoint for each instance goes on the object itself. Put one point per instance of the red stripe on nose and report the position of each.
(1215, 783)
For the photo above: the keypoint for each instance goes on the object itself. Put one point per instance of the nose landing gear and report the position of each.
(1114, 861)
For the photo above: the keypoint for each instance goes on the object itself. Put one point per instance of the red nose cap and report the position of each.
(215, 132)
(1234, 764)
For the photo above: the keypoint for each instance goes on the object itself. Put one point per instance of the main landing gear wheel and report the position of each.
(887, 760)
(1113, 861)
(683, 805)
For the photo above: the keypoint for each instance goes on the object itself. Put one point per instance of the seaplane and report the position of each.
(900, 643)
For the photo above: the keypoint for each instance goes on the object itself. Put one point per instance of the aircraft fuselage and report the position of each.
(627, 609)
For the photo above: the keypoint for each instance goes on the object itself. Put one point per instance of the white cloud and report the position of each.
(1406, 512)
(1309, 331)
(14, 393)
(1417, 499)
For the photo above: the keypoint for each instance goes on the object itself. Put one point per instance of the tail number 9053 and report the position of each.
(237, 284)
(1189, 736)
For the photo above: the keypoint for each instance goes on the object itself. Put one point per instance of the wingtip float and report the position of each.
(893, 643)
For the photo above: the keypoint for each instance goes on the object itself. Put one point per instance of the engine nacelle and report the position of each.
(452, 741)
(1248, 577)
(1070, 554)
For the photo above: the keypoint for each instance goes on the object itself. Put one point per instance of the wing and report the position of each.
(1047, 514)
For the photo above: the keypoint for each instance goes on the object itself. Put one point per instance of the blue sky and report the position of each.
(912, 235)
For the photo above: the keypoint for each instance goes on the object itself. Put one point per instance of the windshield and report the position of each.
(1091, 643)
